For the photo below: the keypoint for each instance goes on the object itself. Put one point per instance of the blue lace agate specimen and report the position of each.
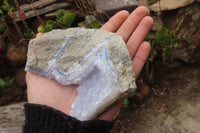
(96, 60)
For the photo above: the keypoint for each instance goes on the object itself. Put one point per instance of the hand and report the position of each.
(133, 28)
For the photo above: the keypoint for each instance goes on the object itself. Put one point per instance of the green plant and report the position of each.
(115, 117)
(41, 29)
(166, 38)
(125, 102)
(28, 33)
(2, 28)
(132, 94)
(152, 52)
(65, 18)
(94, 25)
(164, 41)
(7, 7)
(49, 26)
(60, 14)
(5, 83)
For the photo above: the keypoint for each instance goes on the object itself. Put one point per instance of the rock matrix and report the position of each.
(96, 60)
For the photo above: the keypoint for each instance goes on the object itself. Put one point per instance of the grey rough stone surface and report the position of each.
(12, 118)
(169, 5)
(185, 24)
(96, 60)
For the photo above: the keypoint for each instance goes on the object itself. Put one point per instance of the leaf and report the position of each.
(1, 82)
(168, 51)
(94, 25)
(2, 28)
(132, 94)
(165, 38)
(5, 83)
(41, 29)
(68, 19)
(1, 12)
(50, 25)
(5, 7)
(5, 1)
(60, 13)
(28, 33)
(175, 45)
(125, 101)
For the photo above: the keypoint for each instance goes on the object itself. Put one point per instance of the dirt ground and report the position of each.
(173, 106)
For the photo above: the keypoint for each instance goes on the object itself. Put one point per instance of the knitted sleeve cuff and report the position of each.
(43, 119)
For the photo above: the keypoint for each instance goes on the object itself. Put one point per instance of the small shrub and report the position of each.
(50, 25)
(2, 28)
(161, 47)
(41, 29)
(8, 7)
(94, 25)
(166, 38)
(125, 102)
(60, 14)
(28, 33)
(65, 18)
(5, 83)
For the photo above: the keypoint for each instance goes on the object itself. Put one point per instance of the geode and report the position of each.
(96, 60)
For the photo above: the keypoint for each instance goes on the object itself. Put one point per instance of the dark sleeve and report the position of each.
(43, 119)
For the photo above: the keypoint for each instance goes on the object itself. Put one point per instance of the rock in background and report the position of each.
(16, 55)
(12, 118)
(173, 106)
(186, 26)
(182, 17)
(169, 5)
(20, 77)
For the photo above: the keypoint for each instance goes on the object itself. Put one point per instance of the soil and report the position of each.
(173, 106)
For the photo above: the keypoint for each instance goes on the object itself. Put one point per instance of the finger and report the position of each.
(39, 34)
(141, 57)
(110, 114)
(116, 21)
(131, 22)
(139, 35)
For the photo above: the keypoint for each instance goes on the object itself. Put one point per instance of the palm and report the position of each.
(133, 28)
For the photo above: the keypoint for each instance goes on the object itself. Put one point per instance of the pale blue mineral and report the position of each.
(96, 60)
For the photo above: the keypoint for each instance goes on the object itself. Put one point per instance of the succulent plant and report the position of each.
(60, 14)
(41, 29)
(50, 25)
(94, 25)
(162, 45)
(2, 28)
(5, 83)
(28, 33)
(66, 18)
